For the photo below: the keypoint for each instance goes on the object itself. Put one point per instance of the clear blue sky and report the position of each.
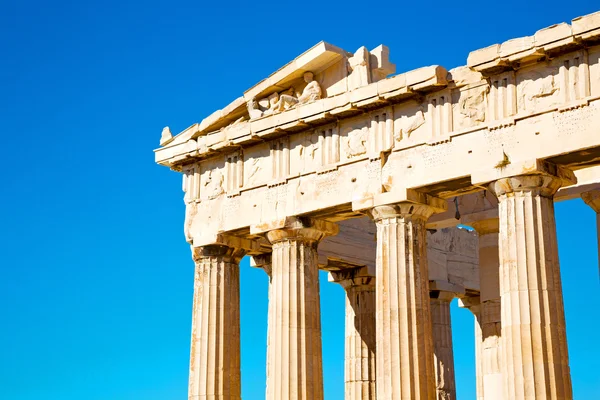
(95, 275)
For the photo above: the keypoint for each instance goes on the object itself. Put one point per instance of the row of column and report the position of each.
(521, 351)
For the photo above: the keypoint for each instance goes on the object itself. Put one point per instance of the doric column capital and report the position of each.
(356, 278)
(592, 199)
(542, 185)
(543, 180)
(229, 254)
(302, 228)
(539, 176)
(444, 291)
(262, 261)
(441, 295)
(472, 303)
(402, 210)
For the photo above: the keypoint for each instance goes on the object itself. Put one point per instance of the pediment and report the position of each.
(335, 70)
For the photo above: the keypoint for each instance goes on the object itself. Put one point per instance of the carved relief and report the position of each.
(213, 186)
(538, 90)
(288, 99)
(356, 140)
(410, 124)
(254, 168)
(471, 107)
(310, 146)
(253, 109)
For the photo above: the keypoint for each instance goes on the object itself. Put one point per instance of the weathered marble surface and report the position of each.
(372, 138)
(333, 144)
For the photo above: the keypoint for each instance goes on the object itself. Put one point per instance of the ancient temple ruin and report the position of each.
(336, 162)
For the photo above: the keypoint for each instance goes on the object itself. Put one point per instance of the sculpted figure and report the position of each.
(273, 101)
(311, 92)
(357, 138)
(473, 106)
(410, 125)
(358, 68)
(214, 184)
(253, 110)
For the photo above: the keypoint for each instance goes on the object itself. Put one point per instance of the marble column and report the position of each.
(488, 316)
(264, 262)
(215, 348)
(404, 337)
(534, 343)
(294, 356)
(476, 310)
(592, 199)
(474, 305)
(442, 344)
(359, 368)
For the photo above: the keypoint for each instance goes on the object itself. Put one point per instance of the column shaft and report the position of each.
(488, 316)
(535, 358)
(404, 337)
(294, 356)
(491, 350)
(476, 310)
(215, 348)
(359, 371)
(442, 346)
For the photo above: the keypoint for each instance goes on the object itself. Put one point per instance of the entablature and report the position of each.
(426, 135)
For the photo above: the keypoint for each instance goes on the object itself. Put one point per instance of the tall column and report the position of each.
(294, 334)
(442, 344)
(592, 199)
(474, 305)
(404, 343)
(215, 349)
(488, 315)
(359, 371)
(264, 262)
(476, 310)
(535, 357)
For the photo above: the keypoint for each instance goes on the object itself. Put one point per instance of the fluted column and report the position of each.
(264, 262)
(404, 343)
(442, 344)
(359, 371)
(592, 199)
(488, 316)
(535, 357)
(294, 356)
(215, 349)
(476, 310)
